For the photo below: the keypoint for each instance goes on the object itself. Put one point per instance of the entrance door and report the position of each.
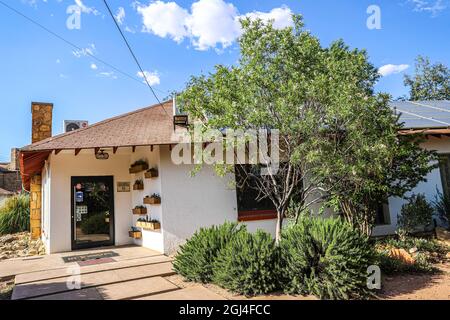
(92, 212)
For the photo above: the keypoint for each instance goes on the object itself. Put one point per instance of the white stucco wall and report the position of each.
(428, 188)
(191, 202)
(66, 165)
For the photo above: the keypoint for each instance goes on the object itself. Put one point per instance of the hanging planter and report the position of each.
(148, 225)
(138, 185)
(135, 233)
(153, 199)
(138, 166)
(151, 173)
(140, 210)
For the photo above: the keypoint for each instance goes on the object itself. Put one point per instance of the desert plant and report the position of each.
(15, 214)
(195, 258)
(415, 215)
(441, 204)
(248, 264)
(390, 265)
(95, 224)
(325, 257)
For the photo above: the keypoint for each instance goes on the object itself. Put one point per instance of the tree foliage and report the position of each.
(338, 140)
(430, 81)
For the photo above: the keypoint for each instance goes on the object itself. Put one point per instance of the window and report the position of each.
(249, 208)
(383, 215)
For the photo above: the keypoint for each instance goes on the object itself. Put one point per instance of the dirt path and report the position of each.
(418, 287)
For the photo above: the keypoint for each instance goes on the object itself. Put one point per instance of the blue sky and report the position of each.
(174, 40)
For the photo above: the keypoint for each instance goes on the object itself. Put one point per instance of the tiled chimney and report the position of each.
(41, 114)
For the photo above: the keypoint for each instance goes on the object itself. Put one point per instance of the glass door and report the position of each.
(92, 212)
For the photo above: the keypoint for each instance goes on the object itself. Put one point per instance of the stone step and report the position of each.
(64, 272)
(60, 285)
(136, 288)
(190, 293)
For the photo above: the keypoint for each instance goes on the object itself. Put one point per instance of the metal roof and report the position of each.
(423, 114)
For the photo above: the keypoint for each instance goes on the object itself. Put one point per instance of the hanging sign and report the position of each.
(79, 196)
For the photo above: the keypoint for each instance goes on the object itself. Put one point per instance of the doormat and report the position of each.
(95, 262)
(90, 256)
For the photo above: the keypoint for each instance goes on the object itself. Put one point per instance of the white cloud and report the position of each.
(431, 6)
(209, 24)
(164, 19)
(90, 50)
(120, 15)
(213, 22)
(94, 66)
(152, 77)
(281, 17)
(389, 69)
(110, 74)
(86, 9)
(58, 61)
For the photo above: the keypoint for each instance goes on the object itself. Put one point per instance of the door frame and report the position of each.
(109, 180)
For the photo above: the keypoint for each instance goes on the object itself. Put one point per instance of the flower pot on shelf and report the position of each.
(135, 168)
(140, 211)
(152, 200)
(155, 225)
(135, 234)
(138, 187)
(152, 173)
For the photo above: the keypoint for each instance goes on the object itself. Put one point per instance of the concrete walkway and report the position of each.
(133, 273)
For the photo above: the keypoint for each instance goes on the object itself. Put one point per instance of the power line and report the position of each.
(134, 56)
(72, 44)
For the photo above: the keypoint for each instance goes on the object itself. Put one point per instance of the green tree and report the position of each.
(430, 81)
(334, 132)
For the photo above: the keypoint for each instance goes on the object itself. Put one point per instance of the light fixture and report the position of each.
(102, 155)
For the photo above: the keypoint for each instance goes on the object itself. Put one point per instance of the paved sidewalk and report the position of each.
(133, 273)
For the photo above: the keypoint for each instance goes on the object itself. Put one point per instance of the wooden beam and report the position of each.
(134, 149)
(57, 151)
(170, 147)
(151, 148)
(115, 149)
(77, 151)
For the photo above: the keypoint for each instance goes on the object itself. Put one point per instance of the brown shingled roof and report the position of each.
(148, 126)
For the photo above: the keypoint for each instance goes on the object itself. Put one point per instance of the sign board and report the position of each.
(123, 187)
(79, 196)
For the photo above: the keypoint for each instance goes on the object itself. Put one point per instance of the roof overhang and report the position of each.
(436, 132)
(31, 163)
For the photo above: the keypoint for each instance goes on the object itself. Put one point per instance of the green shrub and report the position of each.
(390, 266)
(415, 214)
(326, 258)
(442, 205)
(95, 224)
(15, 214)
(195, 258)
(248, 264)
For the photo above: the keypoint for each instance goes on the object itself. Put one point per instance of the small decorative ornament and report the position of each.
(102, 155)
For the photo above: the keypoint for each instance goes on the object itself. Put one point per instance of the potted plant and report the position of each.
(153, 199)
(135, 233)
(140, 210)
(141, 223)
(138, 166)
(153, 225)
(151, 173)
(138, 185)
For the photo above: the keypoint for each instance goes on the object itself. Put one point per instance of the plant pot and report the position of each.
(138, 168)
(138, 187)
(151, 200)
(152, 173)
(140, 211)
(135, 234)
(152, 225)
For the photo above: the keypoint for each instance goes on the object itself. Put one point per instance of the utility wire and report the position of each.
(72, 44)
(134, 56)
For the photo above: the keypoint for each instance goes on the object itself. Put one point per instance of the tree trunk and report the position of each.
(279, 226)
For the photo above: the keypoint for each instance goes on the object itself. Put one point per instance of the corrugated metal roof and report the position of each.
(423, 114)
